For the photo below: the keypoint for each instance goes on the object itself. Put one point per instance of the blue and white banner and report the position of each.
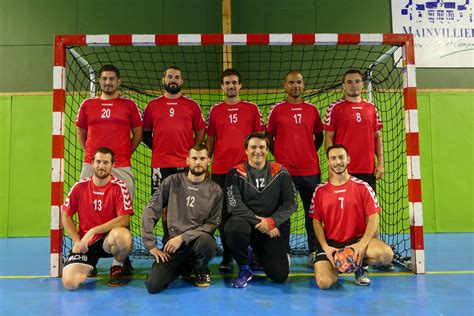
(443, 31)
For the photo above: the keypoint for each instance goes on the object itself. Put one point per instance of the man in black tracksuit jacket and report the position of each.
(260, 196)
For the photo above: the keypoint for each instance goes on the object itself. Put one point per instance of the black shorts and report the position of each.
(91, 257)
(321, 255)
(160, 174)
(367, 177)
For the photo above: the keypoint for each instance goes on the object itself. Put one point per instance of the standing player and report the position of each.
(355, 123)
(229, 123)
(295, 132)
(194, 205)
(260, 197)
(104, 207)
(172, 124)
(108, 121)
(348, 209)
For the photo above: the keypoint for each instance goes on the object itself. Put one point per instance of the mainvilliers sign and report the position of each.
(443, 30)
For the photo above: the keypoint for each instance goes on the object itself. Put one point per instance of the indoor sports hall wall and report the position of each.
(445, 101)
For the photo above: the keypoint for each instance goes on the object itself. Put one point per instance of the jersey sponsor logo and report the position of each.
(357, 108)
(297, 109)
(99, 193)
(171, 103)
(340, 191)
(233, 109)
(193, 188)
(77, 257)
(107, 104)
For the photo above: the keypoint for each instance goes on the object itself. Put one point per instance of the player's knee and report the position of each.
(70, 283)
(324, 282)
(154, 286)
(121, 238)
(386, 255)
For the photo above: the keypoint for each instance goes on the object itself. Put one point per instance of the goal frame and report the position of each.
(404, 41)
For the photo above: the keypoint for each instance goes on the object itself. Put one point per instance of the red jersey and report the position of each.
(173, 122)
(97, 205)
(108, 123)
(354, 126)
(344, 209)
(293, 126)
(230, 125)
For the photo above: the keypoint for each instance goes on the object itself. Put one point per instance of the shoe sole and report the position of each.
(203, 284)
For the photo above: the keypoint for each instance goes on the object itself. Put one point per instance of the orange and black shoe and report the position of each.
(203, 279)
(117, 276)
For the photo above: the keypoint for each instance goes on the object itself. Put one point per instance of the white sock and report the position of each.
(117, 263)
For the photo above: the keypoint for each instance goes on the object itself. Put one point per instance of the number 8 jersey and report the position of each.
(354, 125)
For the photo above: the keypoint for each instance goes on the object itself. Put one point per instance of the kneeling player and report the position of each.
(349, 211)
(104, 208)
(194, 204)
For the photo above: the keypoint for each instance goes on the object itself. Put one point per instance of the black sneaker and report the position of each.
(226, 265)
(117, 274)
(92, 273)
(203, 279)
(128, 267)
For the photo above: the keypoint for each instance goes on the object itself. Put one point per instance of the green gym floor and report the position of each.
(447, 288)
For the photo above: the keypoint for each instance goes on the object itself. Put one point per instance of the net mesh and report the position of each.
(263, 69)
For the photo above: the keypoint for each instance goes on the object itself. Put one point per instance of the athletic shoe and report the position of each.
(362, 277)
(117, 274)
(203, 279)
(245, 275)
(226, 265)
(310, 259)
(92, 273)
(128, 267)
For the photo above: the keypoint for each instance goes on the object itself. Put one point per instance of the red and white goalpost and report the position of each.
(263, 59)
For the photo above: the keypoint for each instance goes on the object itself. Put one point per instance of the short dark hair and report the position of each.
(351, 72)
(198, 147)
(109, 68)
(294, 71)
(230, 72)
(335, 146)
(171, 67)
(104, 150)
(258, 135)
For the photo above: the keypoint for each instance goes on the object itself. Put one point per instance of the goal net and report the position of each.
(263, 60)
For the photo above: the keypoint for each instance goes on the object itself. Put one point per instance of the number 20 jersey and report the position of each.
(108, 123)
